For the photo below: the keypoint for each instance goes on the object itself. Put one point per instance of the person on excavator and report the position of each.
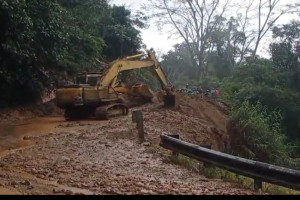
(187, 86)
(217, 91)
(212, 92)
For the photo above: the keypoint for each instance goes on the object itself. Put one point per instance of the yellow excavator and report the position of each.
(98, 94)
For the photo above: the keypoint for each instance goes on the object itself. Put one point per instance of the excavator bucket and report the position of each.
(122, 89)
(169, 100)
(141, 90)
(147, 94)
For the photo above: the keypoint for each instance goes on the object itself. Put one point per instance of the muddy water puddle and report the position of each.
(11, 136)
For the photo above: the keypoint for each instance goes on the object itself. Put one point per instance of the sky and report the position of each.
(161, 42)
(151, 36)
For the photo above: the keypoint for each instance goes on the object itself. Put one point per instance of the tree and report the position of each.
(32, 41)
(265, 23)
(193, 21)
(272, 82)
(257, 18)
(178, 66)
(202, 25)
(43, 41)
(286, 51)
(120, 35)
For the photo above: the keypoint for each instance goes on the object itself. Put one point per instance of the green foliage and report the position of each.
(246, 182)
(286, 52)
(182, 69)
(32, 39)
(220, 66)
(258, 89)
(186, 162)
(256, 133)
(84, 44)
(122, 37)
(260, 80)
(215, 172)
(45, 40)
(278, 190)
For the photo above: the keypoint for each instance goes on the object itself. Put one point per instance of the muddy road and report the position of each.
(106, 157)
(13, 136)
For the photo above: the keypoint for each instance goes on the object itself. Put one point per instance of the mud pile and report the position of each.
(204, 122)
(19, 114)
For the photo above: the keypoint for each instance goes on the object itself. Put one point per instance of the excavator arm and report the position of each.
(122, 65)
(130, 63)
(137, 62)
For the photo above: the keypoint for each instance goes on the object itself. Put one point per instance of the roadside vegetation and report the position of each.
(260, 83)
(213, 172)
(44, 41)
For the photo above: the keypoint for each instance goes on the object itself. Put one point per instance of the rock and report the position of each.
(74, 185)
(50, 175)
(140, 184)
(55, 190)
(108, 189)
(88, 163)
(41, 176)
(14, 183)
(65, 159)
(203, 179)
(68, 192)
(60, 181)
(79, 193)
(50, 133)
(144, 191)
(26, 138)
(144, 162)
(26, 182)
(146, 143)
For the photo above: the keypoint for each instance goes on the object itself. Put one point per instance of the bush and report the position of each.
(255, 133)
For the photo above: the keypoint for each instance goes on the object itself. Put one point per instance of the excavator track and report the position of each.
(104, 112)
(80, 112)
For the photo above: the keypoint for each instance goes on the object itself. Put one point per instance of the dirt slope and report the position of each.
(208, 121)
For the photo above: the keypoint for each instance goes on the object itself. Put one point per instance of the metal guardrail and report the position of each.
(259, 171)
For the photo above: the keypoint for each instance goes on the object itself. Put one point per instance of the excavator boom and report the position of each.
(136, 62)
(130, 63)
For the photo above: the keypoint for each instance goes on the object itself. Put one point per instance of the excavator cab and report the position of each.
(91, 79)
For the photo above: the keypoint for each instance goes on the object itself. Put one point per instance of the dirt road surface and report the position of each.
(106, 157)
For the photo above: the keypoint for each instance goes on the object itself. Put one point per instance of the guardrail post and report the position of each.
(257, 181)
(174, 153)
(208, 146)
(257, 184)
(137, 116)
